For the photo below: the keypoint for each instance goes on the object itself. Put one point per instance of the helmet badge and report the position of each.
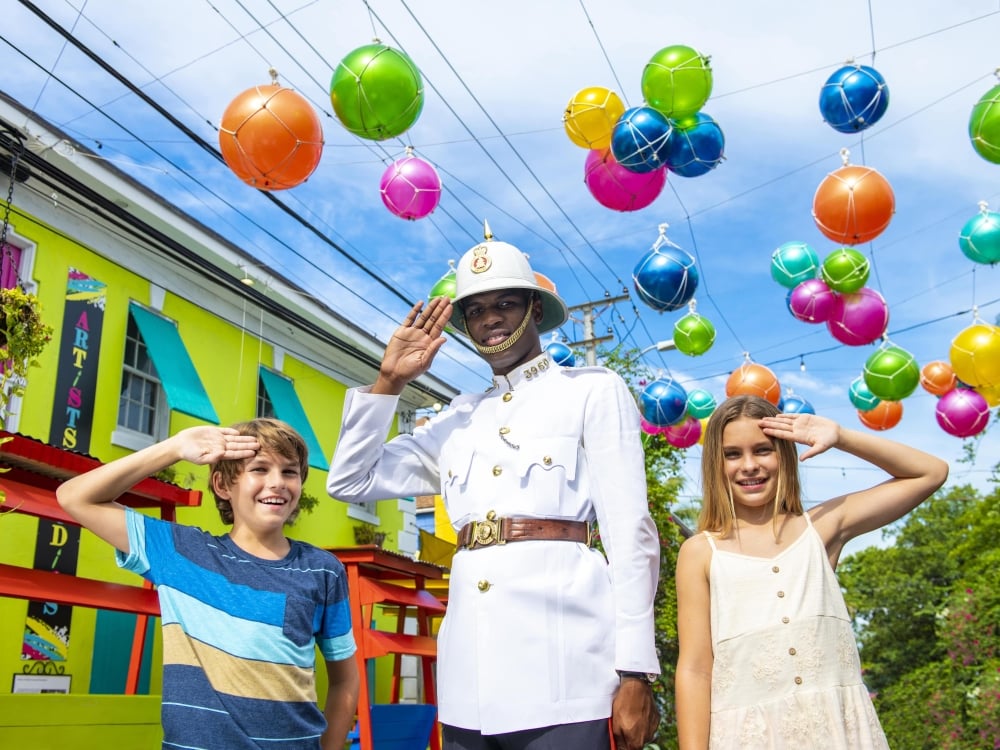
(480, 260)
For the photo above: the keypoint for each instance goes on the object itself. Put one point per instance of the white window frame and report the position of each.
(126, 437)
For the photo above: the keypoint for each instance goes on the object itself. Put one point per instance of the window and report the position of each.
(284, 403)
(141, 398)
(264, 406)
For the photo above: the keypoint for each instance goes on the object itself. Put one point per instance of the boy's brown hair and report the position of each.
(275, 437)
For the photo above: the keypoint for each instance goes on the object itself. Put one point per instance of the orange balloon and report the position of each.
(853, 205)
(884, 416)
(938, 377)
(271, 137)
(751, 379)
(545, 282)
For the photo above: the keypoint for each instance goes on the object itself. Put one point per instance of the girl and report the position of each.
(768, 658)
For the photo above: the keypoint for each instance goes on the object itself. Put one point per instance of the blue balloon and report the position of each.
(980, 238)
(561, 354)
(695, 148)
(663, 402)
(793, 404)
(853, 98)
(665, 278)
(639, 139)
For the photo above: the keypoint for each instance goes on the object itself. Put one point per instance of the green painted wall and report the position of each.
(227, 361)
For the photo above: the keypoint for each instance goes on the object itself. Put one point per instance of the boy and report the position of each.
(241, 613)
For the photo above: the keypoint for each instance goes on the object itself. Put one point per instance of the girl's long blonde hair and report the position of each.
(717, 511)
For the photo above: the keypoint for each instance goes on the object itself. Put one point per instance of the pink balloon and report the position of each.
(616, 187)
(812, 301)
(962, 412)
(410, 188)
(649, 428)
(683, 434)
(859, 318)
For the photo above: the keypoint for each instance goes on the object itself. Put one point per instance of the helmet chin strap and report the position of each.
(508, 342)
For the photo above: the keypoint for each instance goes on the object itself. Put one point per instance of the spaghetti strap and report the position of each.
(809, 521)
(711, 541)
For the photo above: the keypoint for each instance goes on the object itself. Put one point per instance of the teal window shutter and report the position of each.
(174, 367)
(289, 409)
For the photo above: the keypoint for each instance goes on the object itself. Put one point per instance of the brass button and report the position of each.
(775, 569)
(505, 430)
(497, 471)
(547, 460)
(784, 620)
(450, 474)
(484, 586)
(798, 680)
(791, 651)
(508, 396)
(781, 594)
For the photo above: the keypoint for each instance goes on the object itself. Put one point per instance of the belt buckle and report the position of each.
(487, 533)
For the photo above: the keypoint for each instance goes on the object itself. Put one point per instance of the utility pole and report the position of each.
(589, 341)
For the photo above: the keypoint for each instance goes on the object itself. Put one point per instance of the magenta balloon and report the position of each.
(684, 434)
(962, 412)
(649, 428)
(859, 318)
(618, 188)
(410, 188)
(812, 301)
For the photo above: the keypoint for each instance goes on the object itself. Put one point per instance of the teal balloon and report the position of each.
(980, 238)
(984, 125)
(892, 373)
(693, 334)
(700, 403)
(794, 262)
(677, 81)
(377, 92)
(861, 396)
(845, 270)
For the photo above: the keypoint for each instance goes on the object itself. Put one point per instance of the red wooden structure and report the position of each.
(33, 471)
(396, 582)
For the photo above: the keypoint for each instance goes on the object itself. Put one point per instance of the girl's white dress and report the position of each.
(787, 672)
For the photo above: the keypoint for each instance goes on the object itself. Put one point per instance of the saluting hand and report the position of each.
(206, 445)
(413, 346)
(819, 433)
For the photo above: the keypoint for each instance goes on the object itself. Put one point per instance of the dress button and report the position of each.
(484, 586)
(547, 460)
(798, 680)
(775, 569)
(791, 651)
(505, 430)
(784, 620)
(508, 396)
(497, 471)
(781, 594)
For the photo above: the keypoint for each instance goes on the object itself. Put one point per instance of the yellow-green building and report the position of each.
(158, 324)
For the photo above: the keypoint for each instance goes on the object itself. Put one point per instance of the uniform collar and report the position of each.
(531, 370)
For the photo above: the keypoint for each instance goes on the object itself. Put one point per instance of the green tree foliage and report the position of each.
(663, 486)
(928, 610)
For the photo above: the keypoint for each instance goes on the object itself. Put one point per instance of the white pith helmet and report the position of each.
(493, 265)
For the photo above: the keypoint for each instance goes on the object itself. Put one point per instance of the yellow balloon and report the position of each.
(975, 355)
(591, 115)
(704, 426)
(991, 393)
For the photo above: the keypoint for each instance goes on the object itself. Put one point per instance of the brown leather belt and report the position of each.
(493, 530)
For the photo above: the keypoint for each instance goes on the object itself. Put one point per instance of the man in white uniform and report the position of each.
(544, 639)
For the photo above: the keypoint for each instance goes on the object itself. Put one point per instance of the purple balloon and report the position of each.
(859, 318)
(812, 301)
(410, 188)
(962, 412)
(618, 188)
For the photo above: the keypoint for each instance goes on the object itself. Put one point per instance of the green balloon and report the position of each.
(677, 81)
(377, 92)
(693, 334)
(892, 373)
(845, 270)
(444, 287)
(984, 125)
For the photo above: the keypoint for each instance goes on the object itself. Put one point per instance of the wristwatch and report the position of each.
(644, 676)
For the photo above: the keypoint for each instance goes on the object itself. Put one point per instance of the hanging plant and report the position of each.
(23, 336)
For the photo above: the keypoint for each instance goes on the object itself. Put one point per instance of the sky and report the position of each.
(497, 79)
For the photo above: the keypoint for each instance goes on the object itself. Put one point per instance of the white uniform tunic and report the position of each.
(534, 629)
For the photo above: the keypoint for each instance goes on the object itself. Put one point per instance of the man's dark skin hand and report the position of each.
(634, 717)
